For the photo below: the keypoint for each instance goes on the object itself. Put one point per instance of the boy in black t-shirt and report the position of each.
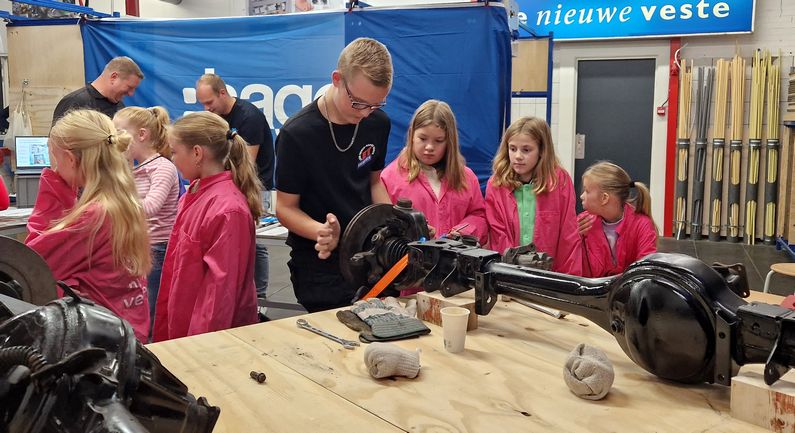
(330, 157)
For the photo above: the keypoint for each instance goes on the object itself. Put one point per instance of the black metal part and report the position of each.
(258, 376)
(24, 275)
(527, 255)
(672, 314)
(735, 276)
(378, 235)
(74, 366)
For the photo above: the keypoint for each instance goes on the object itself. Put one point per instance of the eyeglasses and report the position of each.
(357, 105)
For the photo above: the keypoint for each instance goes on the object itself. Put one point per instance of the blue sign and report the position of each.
(604, 19)
(281, 63)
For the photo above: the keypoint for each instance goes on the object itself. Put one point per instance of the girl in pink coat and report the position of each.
(88, 223)
(4, 199)
(431, 172)
(155, 179)
(530, 197)
(616, 230)
(208, 273)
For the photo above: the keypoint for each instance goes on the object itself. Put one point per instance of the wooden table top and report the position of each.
(509, 378)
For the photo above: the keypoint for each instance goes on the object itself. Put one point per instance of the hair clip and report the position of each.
(230, 134)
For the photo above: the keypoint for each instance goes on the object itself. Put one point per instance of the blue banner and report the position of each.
(458, 55)
(281, 63)
(603, 19)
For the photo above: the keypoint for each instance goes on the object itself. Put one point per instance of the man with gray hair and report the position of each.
(120, 78)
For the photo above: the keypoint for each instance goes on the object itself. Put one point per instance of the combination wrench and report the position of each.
(302, 323)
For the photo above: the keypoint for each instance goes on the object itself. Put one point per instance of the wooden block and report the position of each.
(770, 407)
(430, 304)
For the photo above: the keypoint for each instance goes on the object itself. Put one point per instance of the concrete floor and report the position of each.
(757, 259)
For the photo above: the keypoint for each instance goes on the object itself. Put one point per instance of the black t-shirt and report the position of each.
(252, 125)
(86, 97)
(326, 179)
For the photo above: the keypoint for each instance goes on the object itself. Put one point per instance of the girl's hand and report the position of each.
(584, 223)
(432, 231)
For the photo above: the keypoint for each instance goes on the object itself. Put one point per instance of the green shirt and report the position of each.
(526, 205)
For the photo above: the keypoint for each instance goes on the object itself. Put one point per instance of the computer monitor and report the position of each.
(31, 153)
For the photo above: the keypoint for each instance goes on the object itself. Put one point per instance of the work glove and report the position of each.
(588, 372)
(387, 360)
(389, 320)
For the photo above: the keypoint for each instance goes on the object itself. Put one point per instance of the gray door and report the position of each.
(615, 109)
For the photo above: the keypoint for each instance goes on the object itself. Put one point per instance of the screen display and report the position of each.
(32, 152)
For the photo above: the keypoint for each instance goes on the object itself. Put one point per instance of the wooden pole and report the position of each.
(683, 148)
(758, 76)
(703, 97)
(735, 147)
(718, 144)
(772, 150)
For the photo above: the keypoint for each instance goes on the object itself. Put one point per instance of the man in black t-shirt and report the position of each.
(120, 78)
(251, 124)
(331, 154)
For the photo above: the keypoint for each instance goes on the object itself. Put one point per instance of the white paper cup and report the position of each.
(454, 327)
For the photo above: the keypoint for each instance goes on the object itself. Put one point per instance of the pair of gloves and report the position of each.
(383, 320)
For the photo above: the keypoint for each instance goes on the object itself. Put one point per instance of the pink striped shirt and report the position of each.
(158, 186)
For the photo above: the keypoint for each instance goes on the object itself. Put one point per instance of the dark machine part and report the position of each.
(672, 314)
(526, 255)
(73, 366)
(24, 274)
(379, 235)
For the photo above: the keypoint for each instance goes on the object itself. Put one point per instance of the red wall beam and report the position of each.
(132, 8)
(670, 147)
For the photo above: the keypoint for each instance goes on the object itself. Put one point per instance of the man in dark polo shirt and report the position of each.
(120, 78)
(251, 124)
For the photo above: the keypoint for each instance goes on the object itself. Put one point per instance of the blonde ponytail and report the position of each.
(108, 184)
(642, 201)
(244, 174)
(212, 132)
(153, 119)
(613, 179)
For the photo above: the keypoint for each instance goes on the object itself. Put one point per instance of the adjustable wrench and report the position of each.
(302, 323)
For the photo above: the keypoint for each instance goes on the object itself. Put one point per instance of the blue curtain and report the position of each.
(280, 63)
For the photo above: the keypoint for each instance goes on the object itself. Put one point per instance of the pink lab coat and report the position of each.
(85, 264)
(555, 230)
(208, 272)
(4, 199)
(452, 209)
(637, 238)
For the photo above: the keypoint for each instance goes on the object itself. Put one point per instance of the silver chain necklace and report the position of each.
(331, 129)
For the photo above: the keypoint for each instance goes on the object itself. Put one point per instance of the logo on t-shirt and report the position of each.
(366, 155)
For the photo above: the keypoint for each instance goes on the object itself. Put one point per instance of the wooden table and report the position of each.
(509, 379)
(13, 222)
(274, 234)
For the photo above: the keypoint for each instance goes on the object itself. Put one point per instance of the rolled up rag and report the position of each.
(588, 372)
(386, 359)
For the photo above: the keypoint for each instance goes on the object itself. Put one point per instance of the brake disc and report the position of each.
(359, 232)
(25, 273)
